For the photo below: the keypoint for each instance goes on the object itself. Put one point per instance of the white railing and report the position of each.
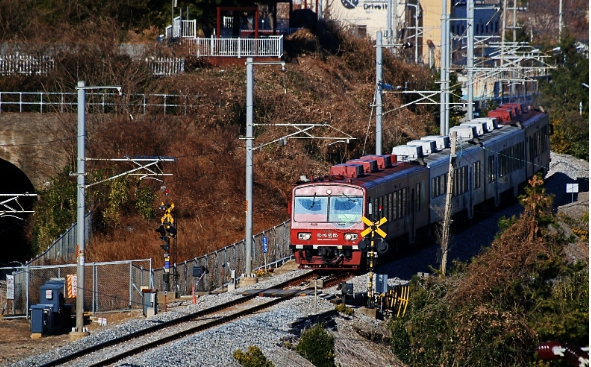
(11, 65)
(166, 66)
(25, 65)
(237, 47)
(105, 102)
(184, 28)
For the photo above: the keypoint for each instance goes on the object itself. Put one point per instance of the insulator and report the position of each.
(574, 356)
(546, 352)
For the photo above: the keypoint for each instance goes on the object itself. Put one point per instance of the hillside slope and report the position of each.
(329, 78)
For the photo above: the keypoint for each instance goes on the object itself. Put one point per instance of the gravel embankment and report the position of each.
(268, 330)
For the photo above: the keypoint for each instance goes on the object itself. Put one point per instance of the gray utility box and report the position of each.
(150, 302)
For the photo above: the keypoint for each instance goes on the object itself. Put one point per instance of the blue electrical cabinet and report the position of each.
(52, 315)
(40, 318)
(52, 293)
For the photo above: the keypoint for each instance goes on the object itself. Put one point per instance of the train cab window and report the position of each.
(310, 209)
(345, 209)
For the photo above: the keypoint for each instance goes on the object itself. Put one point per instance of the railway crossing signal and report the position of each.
(167, 231)
(372, 229)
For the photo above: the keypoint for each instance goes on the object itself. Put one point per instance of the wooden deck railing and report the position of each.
(271, 46)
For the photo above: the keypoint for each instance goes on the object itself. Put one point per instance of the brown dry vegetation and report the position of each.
(329, 78)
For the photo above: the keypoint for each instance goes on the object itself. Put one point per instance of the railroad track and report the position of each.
(116, 349)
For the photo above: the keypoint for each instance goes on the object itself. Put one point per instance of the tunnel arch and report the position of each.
(13, 243)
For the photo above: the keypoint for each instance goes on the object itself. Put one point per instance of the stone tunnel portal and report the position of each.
(13, 243)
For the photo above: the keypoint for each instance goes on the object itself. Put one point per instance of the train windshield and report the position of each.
(341, 209)
(310, 209)
(345, 209)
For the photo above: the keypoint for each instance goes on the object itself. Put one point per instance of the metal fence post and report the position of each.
(94, 288)
(130, 283)
(28, 271)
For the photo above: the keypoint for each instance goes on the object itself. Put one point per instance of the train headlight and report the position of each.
(350, 236)
(304, 236)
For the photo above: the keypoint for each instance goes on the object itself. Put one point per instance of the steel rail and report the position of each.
(189, 331)
(182, 319)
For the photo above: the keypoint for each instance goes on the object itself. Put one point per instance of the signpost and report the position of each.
(572, 188)
(372, 228)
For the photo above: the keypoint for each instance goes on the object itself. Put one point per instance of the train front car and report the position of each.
(325, 225)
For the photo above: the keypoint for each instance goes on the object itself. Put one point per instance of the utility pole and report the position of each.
(448, 209)
(444, 77)
(470, 59)
(502, 65)
(389, 23)
(379, 92)
(249, 162)
(514, 21)
(81, 196)
(559, 20)
(80, 230)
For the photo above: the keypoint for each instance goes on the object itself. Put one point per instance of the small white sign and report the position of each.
(9, 286)
(572, 188)
(48, 294)
(72, 286)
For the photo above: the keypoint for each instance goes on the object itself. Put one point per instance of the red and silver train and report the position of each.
(494, 157)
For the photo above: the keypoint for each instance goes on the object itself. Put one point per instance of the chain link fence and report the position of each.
(108, 286)
(117, 285)
(221, 263)
(63, 250)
